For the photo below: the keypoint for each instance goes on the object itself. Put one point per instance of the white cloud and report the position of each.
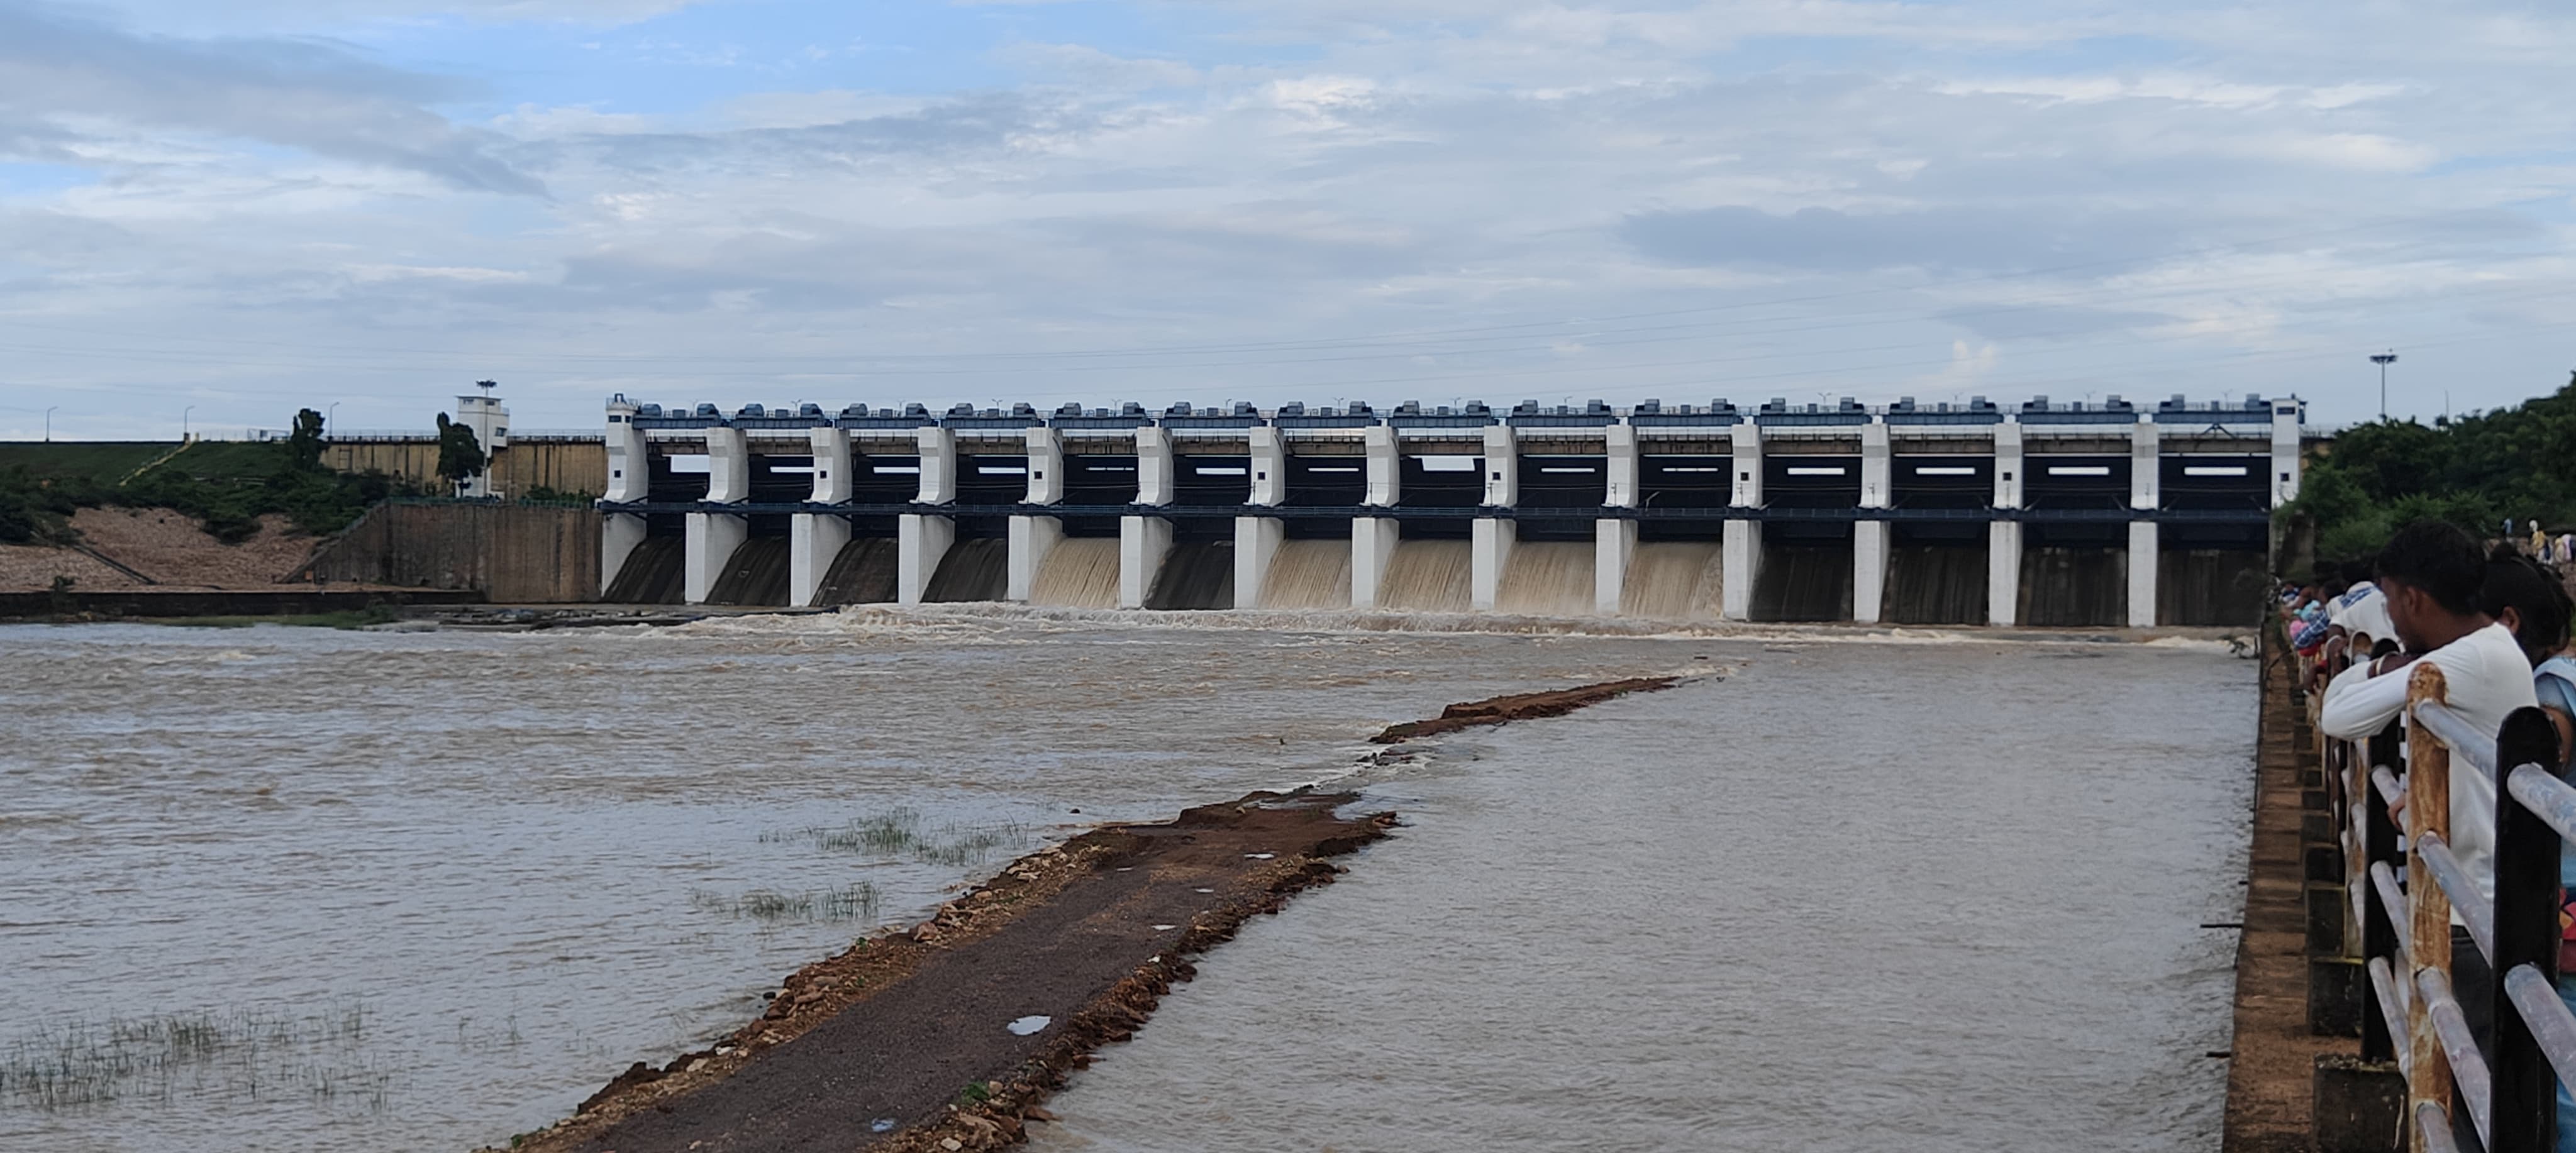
(1619, 199)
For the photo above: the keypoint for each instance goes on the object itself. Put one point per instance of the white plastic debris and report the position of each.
(1027, 1025)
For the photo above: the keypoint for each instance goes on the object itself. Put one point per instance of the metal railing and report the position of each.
(2406, 885)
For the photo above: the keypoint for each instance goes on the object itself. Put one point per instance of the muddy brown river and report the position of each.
(289, 888)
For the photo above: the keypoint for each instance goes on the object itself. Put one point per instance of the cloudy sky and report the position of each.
(254, 205)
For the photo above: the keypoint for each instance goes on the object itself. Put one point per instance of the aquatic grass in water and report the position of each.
(898, 832)
(242, 1054)
(858, 902)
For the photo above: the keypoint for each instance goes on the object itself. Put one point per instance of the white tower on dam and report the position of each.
(2103, 515)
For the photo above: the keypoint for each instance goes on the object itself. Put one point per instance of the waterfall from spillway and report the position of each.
(2209, 586)
(651, 575)
(975, 569)
(1936, 584)
(1195, 575)
(1675, 580)
(1547, 578)
(1427, 576)
(756, 574)
(863, 574)
(1080, 572)
(2074, 585)
(1309, 574)
(1804, 582)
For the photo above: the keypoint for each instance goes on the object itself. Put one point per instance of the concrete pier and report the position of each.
(712, 539)
(2003, 573)
(2003, 545)
(1373, 541)
(1489, 550)
(1143, 543)
(1614, 544)
(1032, 538)
(1869, 570)
(619, 534)
(1740, 554)
(921, 541)
(1256, 545)
(814, 541)
(1870, 537)
(2145, 557)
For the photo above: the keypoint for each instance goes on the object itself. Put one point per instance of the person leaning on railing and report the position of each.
(2527, 598)
(2431, 577)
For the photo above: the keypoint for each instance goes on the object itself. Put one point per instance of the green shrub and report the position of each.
(2473, 471)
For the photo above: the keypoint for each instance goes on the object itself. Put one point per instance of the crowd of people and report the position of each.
(2495, 620)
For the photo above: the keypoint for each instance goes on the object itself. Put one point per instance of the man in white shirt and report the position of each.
(2429, 577)
(2363, 612)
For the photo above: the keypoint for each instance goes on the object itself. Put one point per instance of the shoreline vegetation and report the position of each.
(2473, 470)
(1016, 982)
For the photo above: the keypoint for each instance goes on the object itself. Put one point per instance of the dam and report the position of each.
(2073, 514)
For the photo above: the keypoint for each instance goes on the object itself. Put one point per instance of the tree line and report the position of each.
(2474, 471)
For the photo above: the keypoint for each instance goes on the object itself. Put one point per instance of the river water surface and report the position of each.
(287, 888)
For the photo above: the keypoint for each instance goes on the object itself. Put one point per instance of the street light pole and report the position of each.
(2383, 360)
(330, 418)
(49, 424)
(183, 423)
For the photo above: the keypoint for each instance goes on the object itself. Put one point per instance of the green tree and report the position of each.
(2472, 471)
(304, 446)
(460, 456)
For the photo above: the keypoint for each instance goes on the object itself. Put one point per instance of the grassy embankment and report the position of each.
(226, 486)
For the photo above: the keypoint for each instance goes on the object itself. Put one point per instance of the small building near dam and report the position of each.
(2048, 514)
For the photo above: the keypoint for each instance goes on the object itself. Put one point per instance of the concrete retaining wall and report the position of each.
(220, 603)
(512, 554)
(518, 469)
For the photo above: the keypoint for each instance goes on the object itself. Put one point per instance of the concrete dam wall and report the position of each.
(513, 554)
(2048, 515)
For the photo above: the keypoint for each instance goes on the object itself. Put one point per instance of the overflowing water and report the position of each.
(652, 574)
(1079, 572)
(1675, 580)
(973, 569)
(1194, 576)
(1547, 578)
(1309, 574)
(331, 890)
(1937, 584)
(1427, 576)
(865, 572)
(2074, 586)
(756, 574)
